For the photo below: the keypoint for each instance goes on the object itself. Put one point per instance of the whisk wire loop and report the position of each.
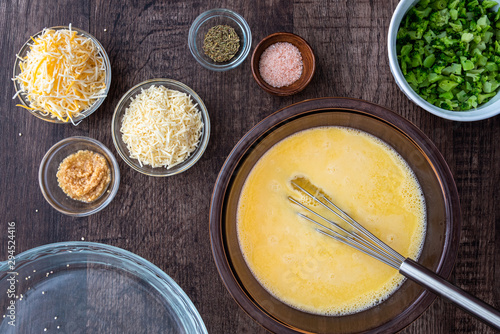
(350, 239)
(356, 245)
(364, 231)
(369, 244)
(375, 244)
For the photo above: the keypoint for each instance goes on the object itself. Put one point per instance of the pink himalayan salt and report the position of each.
(281, 64)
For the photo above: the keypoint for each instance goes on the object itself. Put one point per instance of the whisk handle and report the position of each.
(443, 288)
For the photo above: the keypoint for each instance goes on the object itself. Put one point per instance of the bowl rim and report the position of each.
(114, 184)
(219, 249)
(280, 91)
(157, 275)
(85, 113)
(204, 17)
(483, 112)
(192, 159)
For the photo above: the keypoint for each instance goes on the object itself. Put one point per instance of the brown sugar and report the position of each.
(84, 176)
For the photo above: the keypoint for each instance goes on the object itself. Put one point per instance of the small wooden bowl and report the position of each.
(308, 60)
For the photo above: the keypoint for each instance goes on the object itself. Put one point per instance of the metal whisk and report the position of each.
(364, 241)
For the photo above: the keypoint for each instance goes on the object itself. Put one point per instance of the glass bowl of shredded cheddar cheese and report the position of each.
(160, 127)
(62, 75)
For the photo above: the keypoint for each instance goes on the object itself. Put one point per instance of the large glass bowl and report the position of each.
(86, 287)
(49, 185)
(85, 113)
(209, 19)
(442, 205)
(121, 147)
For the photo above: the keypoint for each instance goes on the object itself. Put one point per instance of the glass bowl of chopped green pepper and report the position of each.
(220, 39)
(445, 56)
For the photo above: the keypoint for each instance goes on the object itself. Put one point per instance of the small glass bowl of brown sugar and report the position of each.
(220, 39)
(79, 176)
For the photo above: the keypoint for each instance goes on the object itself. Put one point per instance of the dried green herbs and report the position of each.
(221, 43)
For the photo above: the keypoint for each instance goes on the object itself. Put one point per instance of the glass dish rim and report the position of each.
(155, 273)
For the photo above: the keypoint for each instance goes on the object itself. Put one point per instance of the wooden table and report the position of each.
(165, 220)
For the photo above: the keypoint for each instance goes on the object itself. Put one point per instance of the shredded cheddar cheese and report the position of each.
(161, 127)
(62, 74)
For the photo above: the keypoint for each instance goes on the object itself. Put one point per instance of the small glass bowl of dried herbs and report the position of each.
(220, 39)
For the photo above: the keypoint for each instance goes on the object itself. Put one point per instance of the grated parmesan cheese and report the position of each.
(161, 127)
(62, 75)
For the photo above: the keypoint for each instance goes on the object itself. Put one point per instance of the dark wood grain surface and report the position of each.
(165, 220)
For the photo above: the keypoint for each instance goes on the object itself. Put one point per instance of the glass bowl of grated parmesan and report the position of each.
(61, 75)
(160, 127)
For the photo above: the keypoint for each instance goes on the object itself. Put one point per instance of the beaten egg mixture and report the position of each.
(305, 269)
